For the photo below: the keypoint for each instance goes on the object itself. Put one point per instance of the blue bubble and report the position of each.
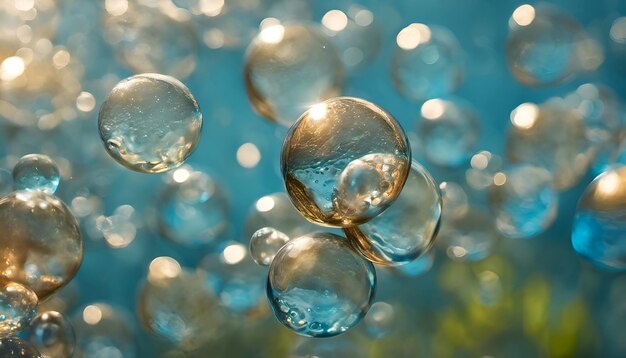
(36, 172)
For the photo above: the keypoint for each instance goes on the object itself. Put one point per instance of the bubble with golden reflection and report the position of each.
(18, 307)
(52, 334)
(265, 243)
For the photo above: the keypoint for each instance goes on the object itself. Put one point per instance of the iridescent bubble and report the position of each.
(454, 200)
(36, 172)
(318, 287)
(472, 237)
(52, 335)
(192, 209)
(379, 320)
(265, 243)
(103, 332)
(599, 229)
(320, 147)
(407, 229)
(150, 123)
(277, 211)
(523, 201)
(290, 68)
(40, 241)
(18, 307)
(448, 131)
(13, 347)
(427, 63)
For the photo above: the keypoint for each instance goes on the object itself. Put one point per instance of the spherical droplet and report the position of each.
(326, 152)
(290, 68)
(472, 237)
(40, 241)
(52, 335)
(13, 347)
(379, 320)
(36, 172)
(103, 331)
(150, 123)
(265, 243)
(318, 286)
(599, 229)
(18, 307)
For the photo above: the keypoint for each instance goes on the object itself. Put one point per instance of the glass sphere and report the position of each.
(265, 243)
(13, 347)
(150, 123)
(40, 241)
(344, 162)
(36, 172)
(318, 286)
(379, 320)
(453, 199)
(427, 63)
(290, 68)
(448, 130)
(407, 229)
(192, 209)
(18, 307)
(103, 331)
(472, 237)
(523, 201)
(52, 335)
(599, 228)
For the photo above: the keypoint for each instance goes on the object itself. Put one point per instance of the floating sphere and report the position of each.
(13, 347)
(103, 331)
(318, 287)
(427, 63)
(36, 172)
(472, 237)
(265, 243)
(523, 201)
(52, 335)
(18, 307)
(150, 123)
(599, 228)
(379, 320)
(407, 229)
(40, 242)
(344, 162)
(290, 68)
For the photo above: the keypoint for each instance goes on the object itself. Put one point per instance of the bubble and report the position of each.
(36, 172)
(407, 229)
(13, 347)
(379, 320)
(599, 227)
(40, 242)
(52, 335)
(150, 123)
(18, 25)
(524, 202)
(484, 167)
(427, 63)
(318, 286)
(454, 200)
(324, 142)
(290, 68)
(276, 211)
(599, 108)
(103, 331)
(18, 306)
(265, 243)
(417, 267)
(472, 237)
(448, 131)
(192, 209)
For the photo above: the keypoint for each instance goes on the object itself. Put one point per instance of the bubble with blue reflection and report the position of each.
(52, 334)
(18, 307)
(103, 330)
(599, 227)
(469, 238)
(318, 286)
(13, 347)
(265, 243)
(36, 172)
(417, 267)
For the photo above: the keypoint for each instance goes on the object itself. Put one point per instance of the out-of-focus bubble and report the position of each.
(611, 154)
(24, 22)
(103, 332)
(13, 347)
(319, 150)
(276, 211)
(599, 108)
(119, 230)
(448, 131)
(484, 165)
(599, 228)
(454, 200)
(288, 69)
(472, 237)
(192, 209)
(42, 247)
(52, 335)
(417, 267)
(265, 243)
(18, 307)
(523, 201)
(427, 63)
(150, 123)
(36, 172)
(335, 347)
(617, 35)
(407, 229)
(325, 296)
(546, 46)
(379, 320)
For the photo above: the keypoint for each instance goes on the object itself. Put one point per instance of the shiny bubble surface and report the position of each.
(265, 243)
(42, 247)
(318, 287)
(13, 347)
(290, 68)
(103, 331)
(52, 335)
(36, 172)
(472, 237)
(18, 306)
(327, 151)
(599, 228)
(150, 123)
(407, 229)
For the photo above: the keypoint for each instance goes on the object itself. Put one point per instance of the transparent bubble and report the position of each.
(322, 145)
(290, 68)
(52, 335)
(18, 307)
(417, 267)
(454, 200)
(119, 230)
(265, 243)
(484, 165)
(192, 209)
(523, 201)
(448, 131)
(427, 63)
(334, 347)
(599, 228)
(472, 237)
(277, 211)
(40, 242)
(599, 108)
(407, 229)
(103, 332)
(36, 172)
(379, 319)
(13, 347)
(150, 123)
(327, 295)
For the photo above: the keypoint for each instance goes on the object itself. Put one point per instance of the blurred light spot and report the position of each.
(412, 36)
(609, 184)
(618, 30)
(24, 5)
(181, 175)
(480, 160)
(264, 204)
(248, 155)
(61, 59)
(214, 38)
(433, 109)
(335, 20)
(26, 54)
(211, 7)
(85, 102)
(81, 206)
(456, 252)
(234, 253)
(43, 46)
(318, 111)
(268, 22)
(352, 56)
(11, 68)
(524, 15)
(92, 315)
(24, 33)
(525, 115)
(499, 179)
(272, 34)
(116, 7)
(163, 267)
(364, 17)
